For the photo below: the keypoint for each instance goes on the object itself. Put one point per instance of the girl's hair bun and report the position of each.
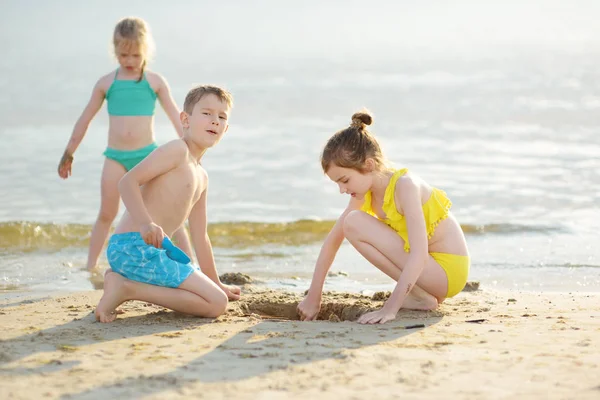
(361, 118)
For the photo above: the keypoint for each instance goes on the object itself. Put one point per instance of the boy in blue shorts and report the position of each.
(160, 193)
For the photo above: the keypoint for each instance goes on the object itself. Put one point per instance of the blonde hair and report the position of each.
(351, 147)
(134, 31)
(198, 92)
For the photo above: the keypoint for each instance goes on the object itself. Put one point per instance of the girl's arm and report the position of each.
(168, 104)
(81, 126)
(309, 308)
(408, 196)
(329, 249)
(201, 241)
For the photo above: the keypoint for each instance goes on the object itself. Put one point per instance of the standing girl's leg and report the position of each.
(183, 241)
(109, 207)
(384, 248)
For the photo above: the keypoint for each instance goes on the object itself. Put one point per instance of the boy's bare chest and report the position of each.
(179, 188)
(186, 184)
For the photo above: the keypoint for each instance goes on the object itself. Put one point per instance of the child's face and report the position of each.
(350, 181)
(208, 121)
(130, 57)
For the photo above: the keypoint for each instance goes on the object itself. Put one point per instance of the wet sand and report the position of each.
(479, 345)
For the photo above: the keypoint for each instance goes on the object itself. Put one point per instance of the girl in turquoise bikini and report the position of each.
(131, 92)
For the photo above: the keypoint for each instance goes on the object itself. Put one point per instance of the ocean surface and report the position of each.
(497, 104)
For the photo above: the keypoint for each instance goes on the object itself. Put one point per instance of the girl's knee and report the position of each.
(108, 210)
(107, 215)
(352, 223)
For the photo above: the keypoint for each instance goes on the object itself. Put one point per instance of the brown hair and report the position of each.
(133, 31)
(197, 93)
(351, 147)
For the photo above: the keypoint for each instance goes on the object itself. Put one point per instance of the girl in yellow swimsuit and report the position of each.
(396, 221)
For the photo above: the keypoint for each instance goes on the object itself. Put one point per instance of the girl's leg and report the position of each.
(384, 248)
(197, 295)
(109, 207)
(183, 241)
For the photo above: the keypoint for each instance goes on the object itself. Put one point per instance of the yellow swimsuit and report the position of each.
(435, 209)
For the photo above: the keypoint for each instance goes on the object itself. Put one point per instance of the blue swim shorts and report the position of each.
(131, 257)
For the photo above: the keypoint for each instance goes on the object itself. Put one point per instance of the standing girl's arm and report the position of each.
(310, 306)
(408, 198)
(168, 104)
(81, 126)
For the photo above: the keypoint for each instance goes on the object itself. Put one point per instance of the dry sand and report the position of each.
(479, 345)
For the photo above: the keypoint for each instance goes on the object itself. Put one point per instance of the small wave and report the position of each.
(570, 265)
(506, 228)
(31, 236)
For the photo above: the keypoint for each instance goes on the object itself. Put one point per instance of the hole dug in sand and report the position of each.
(335, 307)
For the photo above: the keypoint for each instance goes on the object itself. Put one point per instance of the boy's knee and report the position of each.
(218, 304)
(351, 223)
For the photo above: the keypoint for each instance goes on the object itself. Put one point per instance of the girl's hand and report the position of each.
(309, 308)
(64, 166)
(380, 316)
(233, 292)
(153, 235)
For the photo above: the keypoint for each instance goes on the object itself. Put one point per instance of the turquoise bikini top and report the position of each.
(129, 98)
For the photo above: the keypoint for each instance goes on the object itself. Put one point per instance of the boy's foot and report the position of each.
(114, 295)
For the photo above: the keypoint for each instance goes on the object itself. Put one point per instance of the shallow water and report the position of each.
(499, 111)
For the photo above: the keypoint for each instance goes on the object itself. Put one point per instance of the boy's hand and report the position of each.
(64, 166)
(233, 292)
(152, 235)
(309, 308)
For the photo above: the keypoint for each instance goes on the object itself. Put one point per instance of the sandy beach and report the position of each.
(482, 344)
(497, 104)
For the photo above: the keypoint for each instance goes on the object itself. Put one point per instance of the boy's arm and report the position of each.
(309, 307)
(80, 128)
(201, 241)
(168, 104)
(159, 162)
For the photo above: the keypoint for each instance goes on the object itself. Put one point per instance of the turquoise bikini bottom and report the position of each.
(129, 158)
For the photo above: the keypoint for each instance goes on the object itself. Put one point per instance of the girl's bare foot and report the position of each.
(115, 293)
(425, 302)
